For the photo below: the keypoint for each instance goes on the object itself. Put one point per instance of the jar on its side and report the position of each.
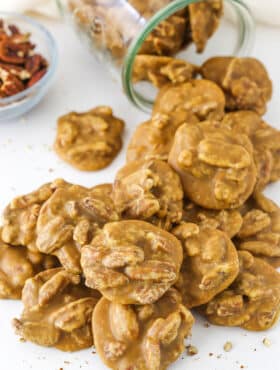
(118, 30)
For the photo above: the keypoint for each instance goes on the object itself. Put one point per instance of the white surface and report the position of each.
(46, 7)
(26, 161)
(265, 11)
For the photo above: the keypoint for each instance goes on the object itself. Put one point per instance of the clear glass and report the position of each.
(116, 31)
(24, 101)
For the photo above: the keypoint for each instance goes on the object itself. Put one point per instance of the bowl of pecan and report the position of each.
(28, 60)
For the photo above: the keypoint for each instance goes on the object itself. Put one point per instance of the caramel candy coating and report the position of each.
(148, 337)
(20, 216)
(252, 301)
(132, 262)
(149, 190)
(57, 311)
(210, 263)
(89, 141)
(216, 166)
(228, 221)
(245, 81)
(70, 219)
(260, 231)
(148, 8)
(17, 264)
(153, 139)
(160, 70)
(265, 140)
(168, 37)
(202, 98)
(204, 20)
(244, 121)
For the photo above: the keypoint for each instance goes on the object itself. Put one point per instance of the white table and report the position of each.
(27, 161)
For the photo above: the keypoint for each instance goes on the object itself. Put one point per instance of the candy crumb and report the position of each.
(192, 350)
(266, 342)
(227, 346)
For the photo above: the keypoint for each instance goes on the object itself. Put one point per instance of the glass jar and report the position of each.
(117, 30)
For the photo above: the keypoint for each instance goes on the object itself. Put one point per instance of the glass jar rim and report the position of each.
(246, 41)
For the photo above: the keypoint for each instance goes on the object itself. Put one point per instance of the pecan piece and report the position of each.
(36, 77)
(9, 84)
(35, 63)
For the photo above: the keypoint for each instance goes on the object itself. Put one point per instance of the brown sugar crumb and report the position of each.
(206, 325)
(67, 362)
(192, 350)
(211, 354)
(22, 340)
(266, 342)
(227, 346)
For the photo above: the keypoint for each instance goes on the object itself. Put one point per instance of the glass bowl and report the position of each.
(19, 104)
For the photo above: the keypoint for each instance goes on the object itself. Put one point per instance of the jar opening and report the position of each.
(237, 16)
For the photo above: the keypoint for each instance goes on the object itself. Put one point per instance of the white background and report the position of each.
(27, 161)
